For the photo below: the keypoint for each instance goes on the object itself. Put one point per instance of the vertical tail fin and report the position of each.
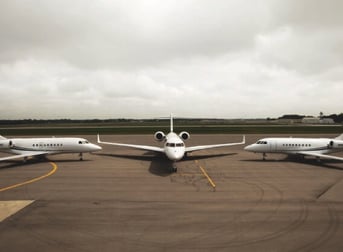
(171, 123)
(340, 137)
(2, 138)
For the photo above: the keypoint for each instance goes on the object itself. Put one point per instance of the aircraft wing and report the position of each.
(203, 147)
(28, 154)
(314, 154)
(134, 146)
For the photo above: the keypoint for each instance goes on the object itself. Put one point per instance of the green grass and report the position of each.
(195, 129)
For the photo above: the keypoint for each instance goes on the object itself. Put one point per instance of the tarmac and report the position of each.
(122, 199)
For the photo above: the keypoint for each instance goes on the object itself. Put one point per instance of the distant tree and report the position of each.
(335, 117)
(292, 117)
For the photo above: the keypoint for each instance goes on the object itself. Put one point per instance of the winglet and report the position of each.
(98, 139)
(243, 142)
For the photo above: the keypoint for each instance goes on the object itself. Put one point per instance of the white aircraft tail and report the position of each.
(340, 137)
(171, 123)
(2, 138)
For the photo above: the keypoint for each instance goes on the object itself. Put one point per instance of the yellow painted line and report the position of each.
(208, 177)
(54, 169)
(205, 173)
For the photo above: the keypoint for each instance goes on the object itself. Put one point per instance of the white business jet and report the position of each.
(33, 147)
(174, 147)
(316, 147)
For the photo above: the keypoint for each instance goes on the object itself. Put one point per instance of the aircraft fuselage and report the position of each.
(296, 145)
(50, 145)
(174, 147)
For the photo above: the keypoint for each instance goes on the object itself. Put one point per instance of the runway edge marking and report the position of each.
(10, 207)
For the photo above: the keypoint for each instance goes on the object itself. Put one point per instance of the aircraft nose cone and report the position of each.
(175, 156)
(179, 156)
(247, 148)
(96, 147)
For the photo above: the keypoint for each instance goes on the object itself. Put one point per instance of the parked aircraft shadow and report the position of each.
(160, 165)
(195, 157)
(69, 160)
(144, 157)
(325, 163)
(36, 160)
(20, 163)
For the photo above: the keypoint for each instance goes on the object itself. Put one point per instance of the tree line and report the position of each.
(336, 118)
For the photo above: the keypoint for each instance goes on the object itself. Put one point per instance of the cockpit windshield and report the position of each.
(174, 144)
(262, 142)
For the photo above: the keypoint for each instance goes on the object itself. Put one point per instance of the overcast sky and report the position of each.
(141, 59)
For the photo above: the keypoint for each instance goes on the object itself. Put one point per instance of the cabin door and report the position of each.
(273, 146)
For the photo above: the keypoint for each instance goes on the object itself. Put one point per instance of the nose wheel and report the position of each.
(81, 156)
(174, 168)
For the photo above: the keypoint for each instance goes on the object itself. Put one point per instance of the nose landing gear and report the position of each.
(173, 168)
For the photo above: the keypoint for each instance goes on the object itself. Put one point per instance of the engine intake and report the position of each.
(337, 144)
(184, 135)
(159, 136)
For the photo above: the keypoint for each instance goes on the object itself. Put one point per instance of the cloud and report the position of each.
(126, 34)
(108, 59)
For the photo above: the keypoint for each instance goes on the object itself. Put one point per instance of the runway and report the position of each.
(127, 200)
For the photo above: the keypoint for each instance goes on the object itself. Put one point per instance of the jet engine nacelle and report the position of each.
(337, 144)
(5, 144)
(184, 135)
(159, 136)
